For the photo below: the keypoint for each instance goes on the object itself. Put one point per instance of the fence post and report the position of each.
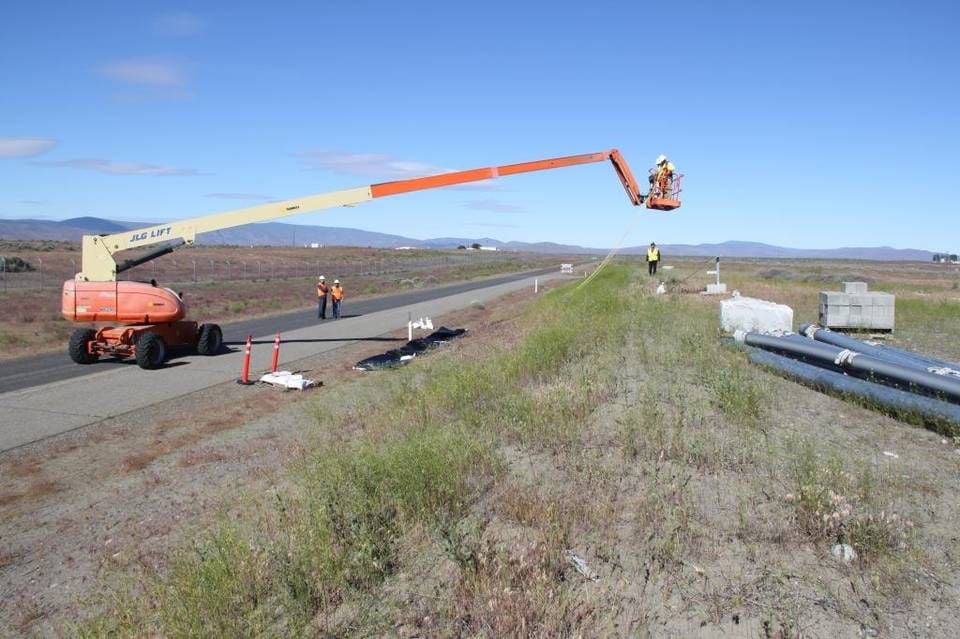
(228, 269)
(3, 264)
(40, 261)
(194, 270)
(259, 269)
(213, 271)
(244, 270)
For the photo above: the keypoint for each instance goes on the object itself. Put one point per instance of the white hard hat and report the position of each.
(336, 281)
(661, 159)
(322, 277)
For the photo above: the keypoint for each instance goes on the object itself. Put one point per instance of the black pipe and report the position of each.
(861, 365)
(891, 398)
(146, 257)
(881, 352)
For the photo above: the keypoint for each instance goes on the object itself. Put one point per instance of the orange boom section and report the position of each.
(128, 302)
(492, 172)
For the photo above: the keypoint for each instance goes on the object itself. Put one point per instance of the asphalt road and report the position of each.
(26, 372)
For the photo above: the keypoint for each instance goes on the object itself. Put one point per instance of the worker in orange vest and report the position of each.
(337, 294)
(322, 291)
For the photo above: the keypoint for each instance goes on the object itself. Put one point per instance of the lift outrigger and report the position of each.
(150, 319)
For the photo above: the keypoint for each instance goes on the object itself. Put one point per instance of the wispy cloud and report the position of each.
(493, 206)
(146, 72)
(25, 147)
(32, 202)
(380, 166)
(180, 24)
(376, 165)
(241, 196)
(121, 168)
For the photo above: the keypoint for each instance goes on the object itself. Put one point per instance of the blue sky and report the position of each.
(785, 117)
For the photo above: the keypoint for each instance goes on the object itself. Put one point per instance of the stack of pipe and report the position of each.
(884, 375)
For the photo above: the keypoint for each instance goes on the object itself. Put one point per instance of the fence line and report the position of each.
(184, 270)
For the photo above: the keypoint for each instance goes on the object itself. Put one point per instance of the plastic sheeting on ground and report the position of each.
(413, 348)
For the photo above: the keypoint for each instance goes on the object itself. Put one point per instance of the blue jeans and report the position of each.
(336, 309)
(322, 307)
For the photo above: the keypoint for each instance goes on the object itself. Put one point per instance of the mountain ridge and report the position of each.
(282, 234)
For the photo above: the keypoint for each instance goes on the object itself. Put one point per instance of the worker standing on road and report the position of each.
(322, 291)
(337, 294)
(653, 258)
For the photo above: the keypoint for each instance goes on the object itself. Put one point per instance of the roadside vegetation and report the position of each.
(607, 467)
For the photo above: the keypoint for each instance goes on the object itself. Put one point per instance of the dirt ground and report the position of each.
(81, 507)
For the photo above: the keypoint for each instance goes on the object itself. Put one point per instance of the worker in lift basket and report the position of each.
(322, 291)
(661, 177)
(336, 293)
(653, 258)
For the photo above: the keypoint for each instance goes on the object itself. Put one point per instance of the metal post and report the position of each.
(244, 270)
(536, 285)
(40, 261)
(718, 273)
(213, 272)
(228, 269)
(194, 270)
(259, 269)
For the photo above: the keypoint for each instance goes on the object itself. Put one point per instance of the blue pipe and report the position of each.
(888, 353)
(891, 398)
(860, 364)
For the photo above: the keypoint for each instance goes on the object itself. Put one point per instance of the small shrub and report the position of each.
(834, 504)
(16, 265)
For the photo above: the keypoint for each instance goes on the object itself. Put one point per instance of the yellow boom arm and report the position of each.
(99, 264)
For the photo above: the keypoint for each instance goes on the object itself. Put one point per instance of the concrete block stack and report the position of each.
(856, 308)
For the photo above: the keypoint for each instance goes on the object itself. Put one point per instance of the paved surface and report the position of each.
(51, 367)
(82, 395)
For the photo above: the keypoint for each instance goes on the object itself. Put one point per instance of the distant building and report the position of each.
(406, 248)
(489, 248)
(314, 244)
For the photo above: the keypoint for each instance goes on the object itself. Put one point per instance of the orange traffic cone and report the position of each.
(245, 371)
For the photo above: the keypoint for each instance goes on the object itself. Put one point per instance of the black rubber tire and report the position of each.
(209, 340)
(151, 351)
(78, 349)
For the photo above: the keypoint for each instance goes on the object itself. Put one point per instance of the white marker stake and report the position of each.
(536, 285)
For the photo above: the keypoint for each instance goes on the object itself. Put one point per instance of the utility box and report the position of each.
(856, 308)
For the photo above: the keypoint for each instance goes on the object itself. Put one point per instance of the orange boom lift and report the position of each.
(151, 320)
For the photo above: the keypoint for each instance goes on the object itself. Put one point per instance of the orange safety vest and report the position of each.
(322, 289)
(337, 292)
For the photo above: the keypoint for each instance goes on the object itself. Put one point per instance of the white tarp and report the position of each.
(286, 379)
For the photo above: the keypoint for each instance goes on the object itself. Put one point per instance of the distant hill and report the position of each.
(757, 249)
(280, 234)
